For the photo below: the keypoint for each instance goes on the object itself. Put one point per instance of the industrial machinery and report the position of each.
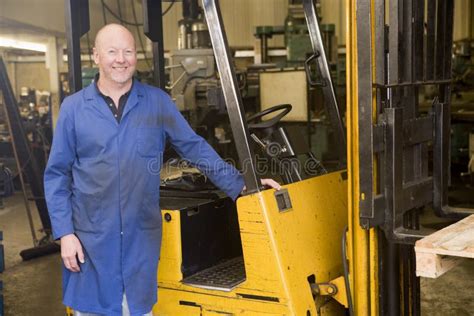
(462, 113)
(296, 38)
(463, 65)
(196, 90)
(285, 80)
(6, 184)
(326, 242)
(32, 167)
(194, 85)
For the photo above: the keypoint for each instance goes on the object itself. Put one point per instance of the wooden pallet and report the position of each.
(441, 251)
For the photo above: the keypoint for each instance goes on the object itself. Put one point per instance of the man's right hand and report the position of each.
(70, 248)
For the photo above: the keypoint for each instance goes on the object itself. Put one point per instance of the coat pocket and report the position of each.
(150, 213)
(149, 142)
(87, 212)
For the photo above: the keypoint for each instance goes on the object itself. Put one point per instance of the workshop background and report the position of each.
(33, 49)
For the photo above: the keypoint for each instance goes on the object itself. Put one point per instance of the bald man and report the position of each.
(102, 195)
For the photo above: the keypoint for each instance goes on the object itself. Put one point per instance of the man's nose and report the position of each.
(120, 57)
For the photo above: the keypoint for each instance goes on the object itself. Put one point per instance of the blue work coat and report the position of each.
(102, 184)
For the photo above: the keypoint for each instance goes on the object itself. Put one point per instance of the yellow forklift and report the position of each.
(332, 243)
(271, 252)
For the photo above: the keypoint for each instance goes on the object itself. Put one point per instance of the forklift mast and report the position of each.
(395, 49)
(232, 96)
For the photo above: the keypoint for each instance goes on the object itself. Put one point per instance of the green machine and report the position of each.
(295, 32)
(88, 75)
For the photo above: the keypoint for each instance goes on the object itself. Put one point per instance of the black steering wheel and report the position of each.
(284, 108)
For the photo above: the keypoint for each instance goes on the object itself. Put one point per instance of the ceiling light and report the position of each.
(11, 43)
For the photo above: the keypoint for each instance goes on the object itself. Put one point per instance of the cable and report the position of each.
(118, 17)
(139, 36)
(346, 272)
(104, 15)
(119, 11)
(104, 5)
(135, 23)
(168, 8)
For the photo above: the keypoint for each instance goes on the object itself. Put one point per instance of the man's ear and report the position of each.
(95, 54)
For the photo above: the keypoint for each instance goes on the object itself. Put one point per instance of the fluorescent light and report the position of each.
(11, 43)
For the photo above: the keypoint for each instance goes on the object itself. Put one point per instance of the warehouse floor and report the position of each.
(34, 287)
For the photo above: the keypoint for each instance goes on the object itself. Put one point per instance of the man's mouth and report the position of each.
(120, 68)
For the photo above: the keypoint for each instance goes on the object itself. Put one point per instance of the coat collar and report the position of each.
(136, 95)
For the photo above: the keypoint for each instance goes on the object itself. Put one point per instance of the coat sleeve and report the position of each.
(194, 148)
(58, 173)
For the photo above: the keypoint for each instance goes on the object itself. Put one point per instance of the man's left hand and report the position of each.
(269, 183)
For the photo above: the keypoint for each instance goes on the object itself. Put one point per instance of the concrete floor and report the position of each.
(30, 287)
(34, 287)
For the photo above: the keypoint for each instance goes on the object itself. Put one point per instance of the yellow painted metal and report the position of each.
(280, 249)
(336, 289)
(341, 295)
(169, 269)
(374, 272)
(326, 289)
(362, 244)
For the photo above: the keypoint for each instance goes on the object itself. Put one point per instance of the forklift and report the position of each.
(332, 243)
(271, 252)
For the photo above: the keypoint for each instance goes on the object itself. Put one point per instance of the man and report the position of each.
(102, 196)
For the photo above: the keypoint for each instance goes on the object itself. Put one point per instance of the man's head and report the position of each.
(115, 54)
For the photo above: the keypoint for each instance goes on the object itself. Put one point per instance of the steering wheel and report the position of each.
(284, 108)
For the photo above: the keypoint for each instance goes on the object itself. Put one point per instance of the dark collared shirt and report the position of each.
(116, 111)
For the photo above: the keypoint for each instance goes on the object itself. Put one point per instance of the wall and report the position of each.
(240, 18)
(462, 19)
(32, 75)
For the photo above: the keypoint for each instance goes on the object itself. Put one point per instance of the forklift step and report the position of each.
(222, 277)
(441, 251)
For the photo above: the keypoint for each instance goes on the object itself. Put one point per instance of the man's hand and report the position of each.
(268, 183)
(271, 183)
(70, 248)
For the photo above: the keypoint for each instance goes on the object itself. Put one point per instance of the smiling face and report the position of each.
(115, 54)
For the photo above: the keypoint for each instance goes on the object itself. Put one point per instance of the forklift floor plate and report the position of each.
(222, 277)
